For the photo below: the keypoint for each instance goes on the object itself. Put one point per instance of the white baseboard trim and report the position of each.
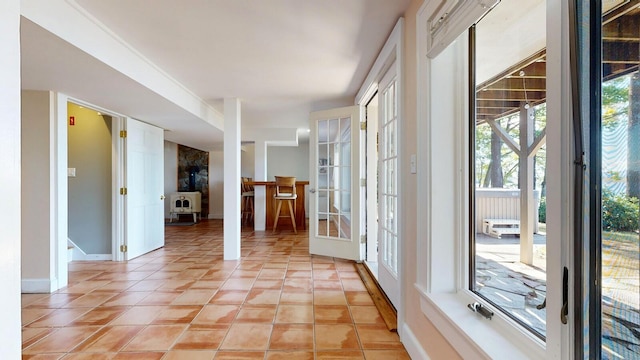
(37, 286)
(412, 344)
(93, 257)
(215, 216)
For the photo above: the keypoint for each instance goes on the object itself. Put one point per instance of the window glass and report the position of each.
(620, 176)
(509, 229)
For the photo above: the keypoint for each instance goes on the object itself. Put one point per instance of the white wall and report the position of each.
(90, 191)
(170, 173)
(10, 179)
(418, 334)
(216, 185)
(248, 161)
(37, 217)
(288, 161)
(281, 160)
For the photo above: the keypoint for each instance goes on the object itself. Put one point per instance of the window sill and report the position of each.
(473, 336)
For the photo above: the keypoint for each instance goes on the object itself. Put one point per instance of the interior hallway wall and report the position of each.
(216, 178)
(248, 161)
(430, 339)
(289, 161)
(216, 184)
(37, 217)
(170, 173)
(90, 191)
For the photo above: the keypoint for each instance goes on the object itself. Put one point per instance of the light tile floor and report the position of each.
(184, 302)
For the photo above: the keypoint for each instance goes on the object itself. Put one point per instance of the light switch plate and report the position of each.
(71, 172)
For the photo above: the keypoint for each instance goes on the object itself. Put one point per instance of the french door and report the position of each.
(334, 214)
(388, 188)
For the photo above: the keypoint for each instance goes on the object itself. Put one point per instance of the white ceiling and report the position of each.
(282, 58)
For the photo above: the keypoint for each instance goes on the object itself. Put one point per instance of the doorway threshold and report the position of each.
(372, 266)
(385, 308)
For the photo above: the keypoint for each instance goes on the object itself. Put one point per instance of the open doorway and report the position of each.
(90, 182)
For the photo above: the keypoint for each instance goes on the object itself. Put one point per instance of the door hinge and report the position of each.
(123, 248)
(363, 182)
(123, 133)
(123, 191)
(363, 239)
(363, 125)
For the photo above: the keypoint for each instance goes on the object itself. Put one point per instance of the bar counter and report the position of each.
(270, 213)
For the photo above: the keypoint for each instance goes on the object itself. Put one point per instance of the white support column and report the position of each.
(232, 121)
(527, 201)
(10, 178)
(260, 174)
(60, 188)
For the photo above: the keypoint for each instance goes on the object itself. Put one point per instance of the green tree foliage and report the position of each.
(615, 101)
(619, 212)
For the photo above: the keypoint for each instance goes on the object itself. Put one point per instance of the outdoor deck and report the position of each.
(519, 288)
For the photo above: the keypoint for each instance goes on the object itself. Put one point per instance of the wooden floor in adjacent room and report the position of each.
(184, 302)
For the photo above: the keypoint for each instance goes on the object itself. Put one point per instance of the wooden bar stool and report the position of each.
(248, 194)
(286, 192)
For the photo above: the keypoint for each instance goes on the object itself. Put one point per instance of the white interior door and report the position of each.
(145, 186)
(334, 194)
(388, 188)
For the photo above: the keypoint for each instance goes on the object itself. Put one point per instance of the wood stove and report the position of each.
(186, 203)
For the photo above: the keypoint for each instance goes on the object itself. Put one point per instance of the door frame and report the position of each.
(391, 53)
(117, 176)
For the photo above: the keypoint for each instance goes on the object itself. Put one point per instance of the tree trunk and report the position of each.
(486, 182)
(633, 139)
(495, 167)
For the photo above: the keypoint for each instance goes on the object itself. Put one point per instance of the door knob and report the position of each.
(161, 197)
(312, 190)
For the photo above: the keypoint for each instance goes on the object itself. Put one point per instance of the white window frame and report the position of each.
(443, 265)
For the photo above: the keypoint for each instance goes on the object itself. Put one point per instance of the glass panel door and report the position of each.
(388, 189)
(333, 227)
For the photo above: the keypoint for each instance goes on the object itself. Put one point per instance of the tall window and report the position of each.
(508, 235)
(611, 126)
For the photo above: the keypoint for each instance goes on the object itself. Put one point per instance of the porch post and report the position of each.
(633, 139)
(526, 180)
